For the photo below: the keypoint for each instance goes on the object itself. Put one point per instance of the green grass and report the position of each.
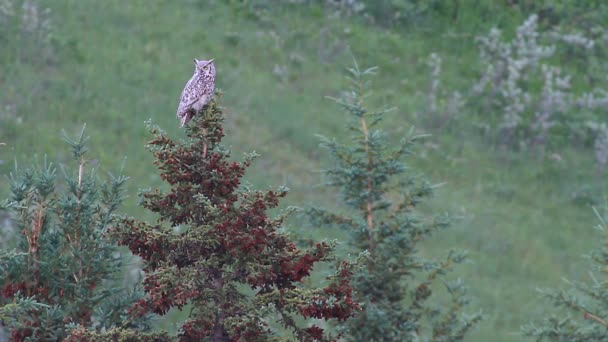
(119, 63)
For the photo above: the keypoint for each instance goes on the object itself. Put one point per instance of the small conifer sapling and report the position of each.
(382, 196)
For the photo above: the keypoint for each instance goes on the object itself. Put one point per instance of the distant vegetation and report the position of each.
(513, 93)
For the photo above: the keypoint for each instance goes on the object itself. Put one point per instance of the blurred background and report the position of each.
(513, 93)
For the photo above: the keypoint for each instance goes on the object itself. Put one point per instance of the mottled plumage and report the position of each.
(198, 91)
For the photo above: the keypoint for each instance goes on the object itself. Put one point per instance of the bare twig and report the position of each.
(205, 144)
(589, 315)
(80, 170)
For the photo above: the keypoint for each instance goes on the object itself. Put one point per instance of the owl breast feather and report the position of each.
(196, 94)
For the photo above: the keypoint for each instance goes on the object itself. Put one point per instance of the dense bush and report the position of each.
(535, 90)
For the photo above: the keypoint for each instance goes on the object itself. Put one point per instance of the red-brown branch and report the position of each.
(32, 240)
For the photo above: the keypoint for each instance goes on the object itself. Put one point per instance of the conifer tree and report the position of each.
(214, 247)
(581, 310)
(382, 196)
(63, 271)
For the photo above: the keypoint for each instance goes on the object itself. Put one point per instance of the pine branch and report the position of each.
(589, 315)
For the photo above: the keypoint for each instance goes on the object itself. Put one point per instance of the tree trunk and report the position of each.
(219, 333)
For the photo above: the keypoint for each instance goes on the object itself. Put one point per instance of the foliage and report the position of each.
(439, 113)
(507, 85)
(525, 95)
(26, 33)
(565, 12)
(407, 12)
(580, 313)
(213, 239)
(103, 74)
(81, 334)
(26, 25)
(63, 270)
(384, 13)
(383, 196)
(411, 13)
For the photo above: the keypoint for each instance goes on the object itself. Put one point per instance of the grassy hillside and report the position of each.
(525, 220)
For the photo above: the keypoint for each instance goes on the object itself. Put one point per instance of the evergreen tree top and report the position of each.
(63, 271)
(214, 235)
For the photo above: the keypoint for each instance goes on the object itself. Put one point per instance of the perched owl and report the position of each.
(198, 91)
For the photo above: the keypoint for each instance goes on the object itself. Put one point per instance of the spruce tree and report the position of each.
(63, 271)
(581, 310)
(215, 248)
(382, 195)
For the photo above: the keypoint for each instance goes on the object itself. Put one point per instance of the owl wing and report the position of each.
(187, 99)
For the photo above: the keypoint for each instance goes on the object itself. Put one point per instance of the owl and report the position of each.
(198, 91)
